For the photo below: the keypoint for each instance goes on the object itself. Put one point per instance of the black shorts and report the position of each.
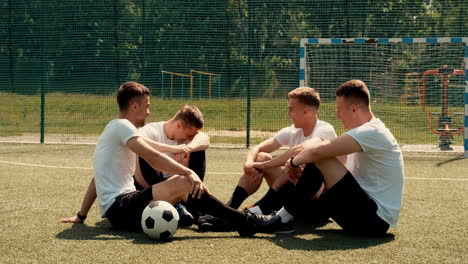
(351, 208)
(152, 176)
(315, 212)
(125, 213)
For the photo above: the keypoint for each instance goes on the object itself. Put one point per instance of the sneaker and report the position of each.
(185, 217)
(255, 223)
(283, 228)
(209, 223)
(254, 209)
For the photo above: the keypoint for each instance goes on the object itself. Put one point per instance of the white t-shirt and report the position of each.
(155, 131)
(291, 136)
(114, 162)
(379, 168)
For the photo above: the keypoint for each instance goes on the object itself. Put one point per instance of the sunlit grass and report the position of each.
(431, 229)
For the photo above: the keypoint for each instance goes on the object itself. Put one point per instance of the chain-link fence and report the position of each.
(61, 61)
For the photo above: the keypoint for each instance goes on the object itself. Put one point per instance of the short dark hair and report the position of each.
(128, 91)
(355, 89)
(306, 95)
(190, 115)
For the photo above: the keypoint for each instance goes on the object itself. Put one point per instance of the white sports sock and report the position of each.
(285, 216)
(256, 210)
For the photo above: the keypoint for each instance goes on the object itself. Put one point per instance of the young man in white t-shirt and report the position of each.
(114, 167)
(364, 196)
(178, 138)
(182, 128)
(303, 105)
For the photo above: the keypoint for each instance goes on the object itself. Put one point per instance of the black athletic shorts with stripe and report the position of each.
(346, 203)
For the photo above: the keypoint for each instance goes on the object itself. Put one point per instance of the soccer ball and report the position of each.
(159, 220)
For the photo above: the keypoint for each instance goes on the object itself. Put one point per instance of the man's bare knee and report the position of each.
(174, 189)
(249, 183)
(263, 156)
(183, 185)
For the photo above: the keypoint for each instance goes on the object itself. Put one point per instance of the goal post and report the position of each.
(411, 80)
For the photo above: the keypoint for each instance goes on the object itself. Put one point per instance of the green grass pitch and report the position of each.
(433, 226)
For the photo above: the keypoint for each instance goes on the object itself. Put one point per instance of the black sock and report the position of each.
(238, 197)
(197, 163)
(268, 201)
(210, 205)
(274, 200)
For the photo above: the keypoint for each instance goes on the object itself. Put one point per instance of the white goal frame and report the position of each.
(362, 41)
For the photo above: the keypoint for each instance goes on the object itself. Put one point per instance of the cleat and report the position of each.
(283, 228)
(250, 206)
(185, 217)
(255, 223)
(254, 209)
(209, 223)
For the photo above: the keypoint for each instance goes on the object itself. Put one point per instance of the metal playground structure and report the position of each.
(445, 128)
(195, 90)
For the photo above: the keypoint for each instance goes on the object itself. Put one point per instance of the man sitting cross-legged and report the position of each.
(303, 105)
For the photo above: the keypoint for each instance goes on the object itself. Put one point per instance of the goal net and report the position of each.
(418, 86)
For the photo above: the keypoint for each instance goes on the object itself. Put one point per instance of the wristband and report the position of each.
(81, 217)
(292, 164)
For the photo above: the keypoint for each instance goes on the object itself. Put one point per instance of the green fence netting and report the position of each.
(61, 61)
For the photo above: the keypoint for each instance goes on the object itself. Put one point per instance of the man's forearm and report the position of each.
(201, 141)
(312, 152)
(161, 147)
(280, 160)
(155, 158)
(251, 155)
(163, 163)
(89, 198)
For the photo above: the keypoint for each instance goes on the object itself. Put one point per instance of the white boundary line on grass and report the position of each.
(43, 166)
(214, 173)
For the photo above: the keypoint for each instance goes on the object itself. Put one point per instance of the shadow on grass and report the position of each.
(327, 239)
(104, 231)
(440, 164)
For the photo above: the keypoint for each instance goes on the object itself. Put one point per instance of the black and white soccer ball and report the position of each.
(160, 220)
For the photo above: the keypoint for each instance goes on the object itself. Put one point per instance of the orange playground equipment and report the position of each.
(444, 127)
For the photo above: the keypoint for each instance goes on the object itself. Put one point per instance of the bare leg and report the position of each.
(172, 190)
(332, 170)
(275, 178)
(280, 189)
(249, 184)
